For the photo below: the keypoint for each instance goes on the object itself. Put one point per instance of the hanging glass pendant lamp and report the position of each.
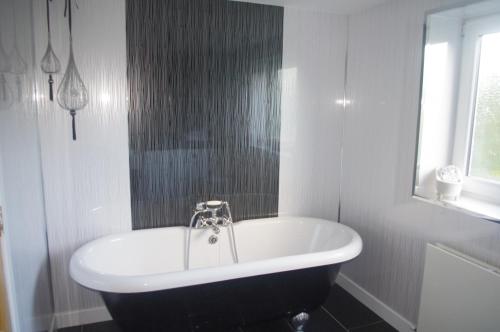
(18, 66)
(72, 94)
(4, 59)
(50, 63)
(5, 91)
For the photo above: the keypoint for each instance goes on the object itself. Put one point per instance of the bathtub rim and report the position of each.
(112, 283)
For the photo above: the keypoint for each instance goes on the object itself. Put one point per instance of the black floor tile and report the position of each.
(109, 326)
(233, 329)
(348, 311)
(71, 329)
(340, 313)
(321, 321)
(377, 327)
(271, 326)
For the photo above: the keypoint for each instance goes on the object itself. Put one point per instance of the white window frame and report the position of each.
(473, 30)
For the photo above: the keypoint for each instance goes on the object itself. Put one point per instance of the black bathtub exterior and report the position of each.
(225, 304)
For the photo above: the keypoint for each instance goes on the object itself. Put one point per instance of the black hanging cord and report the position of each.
(67, 11)
(73, 125)
(4, 87)
(48, 18)
(51, 80)
(19, 89)
(51, 89)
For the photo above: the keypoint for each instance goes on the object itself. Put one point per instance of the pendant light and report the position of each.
(72, 94)
(18, 66)
(4, 59)
(5, 91)
(50, 63)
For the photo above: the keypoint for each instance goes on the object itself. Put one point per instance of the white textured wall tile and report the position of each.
(87, 189)
(379, 148)
(24, 244)
(314, 46)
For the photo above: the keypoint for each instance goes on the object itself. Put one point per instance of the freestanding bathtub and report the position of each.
(286, 266)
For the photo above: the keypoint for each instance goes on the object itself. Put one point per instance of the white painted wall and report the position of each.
(87, 190)
(314, 48)
(21, 189)
(379, 149)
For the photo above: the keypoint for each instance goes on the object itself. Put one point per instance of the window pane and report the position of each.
(485, 153)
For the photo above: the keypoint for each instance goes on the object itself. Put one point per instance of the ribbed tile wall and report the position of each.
(204, 117)
(24, 259)
(86, 182)
(383, 82)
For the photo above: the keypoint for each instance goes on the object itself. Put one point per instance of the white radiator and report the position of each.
(459, 293)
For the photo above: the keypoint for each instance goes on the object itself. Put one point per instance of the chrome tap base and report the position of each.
(299, 321)
(211, 215)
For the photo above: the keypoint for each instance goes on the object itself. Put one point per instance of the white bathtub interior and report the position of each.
(154, 259)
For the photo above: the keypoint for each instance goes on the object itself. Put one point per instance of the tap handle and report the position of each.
(200, 206)
(214, 204)
(214, 207)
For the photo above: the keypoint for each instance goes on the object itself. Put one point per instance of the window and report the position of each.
(459, 120)
(484, 156)
(477, 134)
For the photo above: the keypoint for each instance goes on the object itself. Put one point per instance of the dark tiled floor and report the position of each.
(376, 327)
(340, 313)
(349, 311)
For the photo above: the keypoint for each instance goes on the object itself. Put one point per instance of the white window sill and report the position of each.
(468, 205)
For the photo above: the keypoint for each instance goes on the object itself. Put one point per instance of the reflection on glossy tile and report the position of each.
(102, 327)
(71, 329)
(377, 327)
(322, 321)
(271, 326)
(347, 310)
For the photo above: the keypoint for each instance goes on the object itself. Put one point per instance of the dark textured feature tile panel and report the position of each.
(377, 327)
(280, 325)
(347, 310)
(204, 115)
(321, 321)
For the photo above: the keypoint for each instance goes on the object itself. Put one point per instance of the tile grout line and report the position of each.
(289, 325)
(335, 319)
(367, 325)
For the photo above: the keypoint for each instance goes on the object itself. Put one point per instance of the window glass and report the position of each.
(485, 148)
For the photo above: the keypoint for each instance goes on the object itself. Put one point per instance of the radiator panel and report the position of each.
(459, 293)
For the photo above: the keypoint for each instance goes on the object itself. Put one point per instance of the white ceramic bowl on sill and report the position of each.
(449, 182)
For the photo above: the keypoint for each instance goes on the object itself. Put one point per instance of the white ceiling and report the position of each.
(333, 6)
(473, 10)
